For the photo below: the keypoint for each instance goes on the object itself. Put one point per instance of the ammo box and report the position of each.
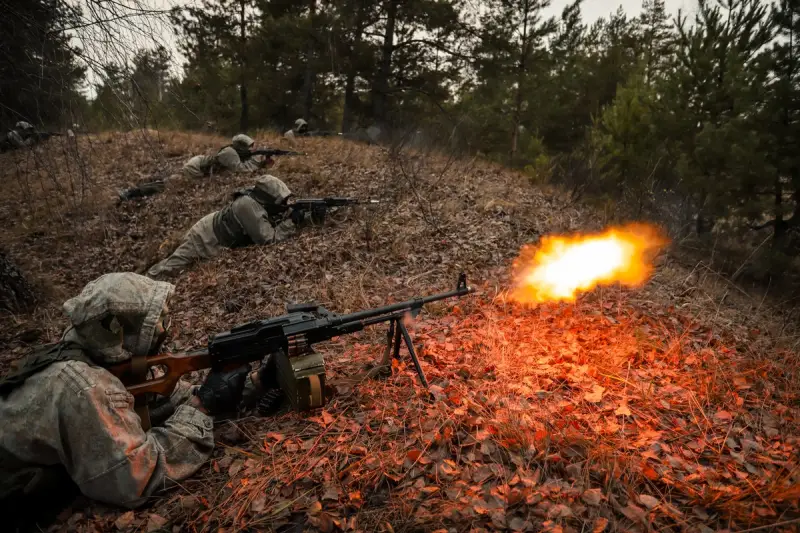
(302, 378)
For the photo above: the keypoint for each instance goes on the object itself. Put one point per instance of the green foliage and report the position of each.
(39, 76)
(692, 123)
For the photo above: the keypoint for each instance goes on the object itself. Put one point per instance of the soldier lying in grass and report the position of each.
(243, 222)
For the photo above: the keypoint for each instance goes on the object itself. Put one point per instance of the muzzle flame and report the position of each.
(562, 266)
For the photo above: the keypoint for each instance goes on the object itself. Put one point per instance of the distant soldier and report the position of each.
(233, 158)
(243, 222)
(300, 129)
(23, 134)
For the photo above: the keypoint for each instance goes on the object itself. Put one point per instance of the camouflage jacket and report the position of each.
(80, 416)
(227, 159)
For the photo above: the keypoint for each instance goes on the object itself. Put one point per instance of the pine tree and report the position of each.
(39, 75)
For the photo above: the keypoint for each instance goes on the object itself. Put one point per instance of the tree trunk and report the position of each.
(16, 294)
(243, 121)
(380, 90)
(310, 76)
(521, 71)
(349, 102)
(350, 99)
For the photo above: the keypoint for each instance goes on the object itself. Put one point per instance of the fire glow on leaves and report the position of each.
(562, 266)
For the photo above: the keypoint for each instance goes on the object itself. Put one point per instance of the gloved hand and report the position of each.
(222, 391)
(298, 216)
(318, 215)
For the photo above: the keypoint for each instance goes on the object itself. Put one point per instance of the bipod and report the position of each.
(399, 333)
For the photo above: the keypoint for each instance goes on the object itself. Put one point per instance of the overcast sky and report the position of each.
(123, 46)
(594, 9)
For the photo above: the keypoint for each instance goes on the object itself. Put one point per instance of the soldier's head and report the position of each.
(300, 126)
(242, 143)
(119, 315)
(269, 190)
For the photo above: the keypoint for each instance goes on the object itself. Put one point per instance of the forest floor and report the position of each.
(672, 407)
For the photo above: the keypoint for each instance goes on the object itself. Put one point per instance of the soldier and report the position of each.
(21, 135)
(243, 222)
(68, 423)
(300, 129)
(234, 158)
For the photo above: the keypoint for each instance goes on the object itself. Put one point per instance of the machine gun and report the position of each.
(290, 338)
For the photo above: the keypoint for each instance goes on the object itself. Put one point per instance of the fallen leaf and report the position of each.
(259, 503)
(600, 525)
(518, 524)
(559, 511)
(124, 520)
(596, 395)
(648, 501)
(155, 522)
(623, 410)
(235, 467)
(592, 497)
(635, 513)
(413, 455)
(315, 508)
(723, 415)
(331, 493)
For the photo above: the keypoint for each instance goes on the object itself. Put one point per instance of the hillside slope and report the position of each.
(671, 408)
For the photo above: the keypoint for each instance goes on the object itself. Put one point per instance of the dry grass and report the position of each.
(670, 408)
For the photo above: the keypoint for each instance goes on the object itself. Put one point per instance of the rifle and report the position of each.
(318, 207)
(290, 338)
(44, 135)
(141, 191)
(274, 152)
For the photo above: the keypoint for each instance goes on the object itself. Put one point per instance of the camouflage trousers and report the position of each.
(199, 243)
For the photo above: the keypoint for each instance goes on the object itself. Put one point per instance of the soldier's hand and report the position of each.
(222, 391)
(298, 216)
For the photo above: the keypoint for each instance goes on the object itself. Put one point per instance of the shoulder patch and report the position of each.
(78, 376)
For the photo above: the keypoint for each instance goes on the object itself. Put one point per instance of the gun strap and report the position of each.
(139, 374)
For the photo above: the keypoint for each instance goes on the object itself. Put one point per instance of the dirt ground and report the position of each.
(673, 407)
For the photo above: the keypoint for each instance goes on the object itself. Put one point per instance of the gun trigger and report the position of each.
(415, 311)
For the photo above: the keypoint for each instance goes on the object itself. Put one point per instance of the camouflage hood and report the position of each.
(242, 143)
(270, 190)
(116, 315)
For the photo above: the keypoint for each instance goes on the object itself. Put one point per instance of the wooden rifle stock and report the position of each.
(176, 366)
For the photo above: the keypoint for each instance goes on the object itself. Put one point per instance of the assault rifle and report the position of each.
(318, 207)
(290, 338)
(274, 152)
(44, 135)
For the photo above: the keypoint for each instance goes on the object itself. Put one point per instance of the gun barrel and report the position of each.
(375, 316)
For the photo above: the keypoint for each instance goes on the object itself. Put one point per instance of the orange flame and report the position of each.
(560, 267)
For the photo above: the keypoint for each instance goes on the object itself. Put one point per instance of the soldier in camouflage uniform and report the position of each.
(243, 222)
(233, 158)
(66, 421)
(300, 129)
(21, 135)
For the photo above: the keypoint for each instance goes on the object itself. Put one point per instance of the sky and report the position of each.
(121, 46)
(594, 9)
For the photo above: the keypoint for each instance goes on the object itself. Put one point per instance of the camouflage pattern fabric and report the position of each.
(248, 216)
(82, 418)
(227, 159)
